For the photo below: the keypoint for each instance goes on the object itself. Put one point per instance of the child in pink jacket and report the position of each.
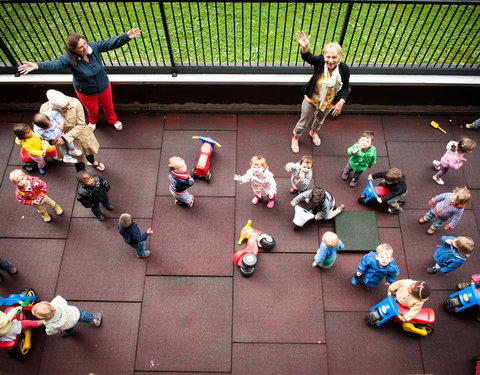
(453, 158)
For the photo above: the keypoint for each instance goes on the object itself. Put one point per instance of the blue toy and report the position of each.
(372, 192)
(18, 299)
(463, 299)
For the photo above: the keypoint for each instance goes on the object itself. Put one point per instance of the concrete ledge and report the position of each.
(252, 79)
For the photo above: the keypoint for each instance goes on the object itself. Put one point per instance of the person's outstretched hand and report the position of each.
(133, 33)
(27, 67)
(302, 39)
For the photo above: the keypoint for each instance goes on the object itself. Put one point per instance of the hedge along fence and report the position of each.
(258, 37)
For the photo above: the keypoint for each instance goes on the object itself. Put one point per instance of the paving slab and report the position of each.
(200, 121)
(186, 325)
(338, 135)
(103, 350)
(285, 293)
(420, 247)
(408, 128)
(204, 243)
(276, 222)
(32, 363)
(99, 266)
(278, 359)
(132, 175)
(180, 143)
(139, 131)
(18, 219)
(370, 348)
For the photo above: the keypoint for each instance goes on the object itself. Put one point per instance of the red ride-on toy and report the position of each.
(202, 168)
(20, 347)
(246, 259)
(28, 164)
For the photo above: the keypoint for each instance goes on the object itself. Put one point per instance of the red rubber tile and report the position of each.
(340, 295)
(132, 175)
(476, 206)
(277, 222)
(97, 265)
(200, 121)
(270, 136)
(20, 219)
(35, 356)
(383, 350)
(277, 359)
(285, 294)
(337, 136)
(180, 143)
(420, 247)
(407, 128)
(104, 350)
(139, 131)
(7, 142)
(186, 324)
(204, 243)
(327, 171)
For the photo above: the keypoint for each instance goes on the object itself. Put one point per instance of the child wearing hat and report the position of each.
(10, 328)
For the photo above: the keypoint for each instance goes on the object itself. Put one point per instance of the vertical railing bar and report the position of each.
(268, 29)
(468, 47)
(149, 35)
(157, 33)
(192, 28)
(295, 44)
(39, 22)
(140, 40)
(27, 33)
(450, 37)
(353, 33)
(316, 45)
(477, 49)
(455, 43)
(363, 28)
(403, 31)
(251, 36)
(210, 33)
(92, 15)
(275, 35)
(290, 50)
(9, 50)
(420, 30)
(345, 23)
(380, 27)
(218, 36)
(337, 19)
(201, 34)
(57, 29)
(243, 34)
(115, 28)
(176, 33)
(226, 31)
(433, 34)
(168, 40)
(129, 45)
(180, 5)
(372, 26)
(259, 40)
(234, 20)
(417, 18)
(284, 31)
(60, 45)
(386, 31)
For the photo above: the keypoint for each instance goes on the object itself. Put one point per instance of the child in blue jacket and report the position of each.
(453, 252)
(376, 265)
(327, 253)
(131, 234)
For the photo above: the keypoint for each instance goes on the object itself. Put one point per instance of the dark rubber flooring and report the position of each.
(187, 309)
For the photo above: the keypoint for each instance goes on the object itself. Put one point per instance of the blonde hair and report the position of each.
(43, 310)
(330, 239)
(16, 175)
(125, 220)
(464, 244)
(461, 195)
(384, 248)
(174, 162)
(335, 46)
(259, 158)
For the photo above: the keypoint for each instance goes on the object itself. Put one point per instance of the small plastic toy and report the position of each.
(372, 192)
(437, 126)
(246, 258)
(387, 309)
(28, 164)
(202, 168)
(20, 347)
(463, 299)
(302, 216)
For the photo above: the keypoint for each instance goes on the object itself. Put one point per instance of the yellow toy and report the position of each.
(437, 126)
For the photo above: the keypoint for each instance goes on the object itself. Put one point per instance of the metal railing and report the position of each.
(393, 36)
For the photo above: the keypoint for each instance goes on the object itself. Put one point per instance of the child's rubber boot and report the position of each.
(354, 280)
(191, 203)
(255, 199)
(145, 254)
(271, 203)
(58, 210)
(292, 191)
(97, 319)
(46, 217)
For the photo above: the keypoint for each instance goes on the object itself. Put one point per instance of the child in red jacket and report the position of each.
(31, 191)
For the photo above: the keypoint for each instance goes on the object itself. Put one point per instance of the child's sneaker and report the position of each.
(354, 182)
(46, 217)
(354, 280)
(146, 254)
(271, 203)
(177, 202)
(67, 333)
(255, 199)
(75, 152)
(109, 206)
(101, 217)
(431, 230)
(393, 210)
(41, 171)
(97, 319)
(191, 203)
(470, 126)
(58, 210)
(436, 165)
(292, 190)
(438, 180)
(463, 285)
(432, 270)
(92, 126)
(344, 175)
(69, 159)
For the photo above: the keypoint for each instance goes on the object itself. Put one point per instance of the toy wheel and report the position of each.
(427, 327)
(361, 199)
(247, 272)
(208, 177)
(29, 292)
(20, 351)
(193, 171)
(249, 260)
(29, 166)
(265, 241)
(372, 317)
(296, 227)
(452, 303)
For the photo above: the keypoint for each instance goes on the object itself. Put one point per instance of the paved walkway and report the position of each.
(186, 309)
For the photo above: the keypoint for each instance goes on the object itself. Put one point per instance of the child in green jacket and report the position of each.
(363, 155)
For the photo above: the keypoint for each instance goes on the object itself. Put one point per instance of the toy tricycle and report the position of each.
(202, 169)
(463, 299)
(387, 309)
(20, 347)
(28, 164)
(246, 258)
(372, 191)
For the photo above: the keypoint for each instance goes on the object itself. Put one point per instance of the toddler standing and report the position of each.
(92, 192)
(180, 181)
(31, 191)
(301, 174)
(31, 143)
(376, 265)
(59, 317)
(49, 126)
(453, 158)
(451, 254)
(411, 294)
(261, 179)
(131, 235)
(363, 155)
(327, 253)
(446, 206)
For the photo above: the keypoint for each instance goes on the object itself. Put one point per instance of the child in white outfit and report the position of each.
(261, 179)
(49, 126)
(453, 158)
(301, 174)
